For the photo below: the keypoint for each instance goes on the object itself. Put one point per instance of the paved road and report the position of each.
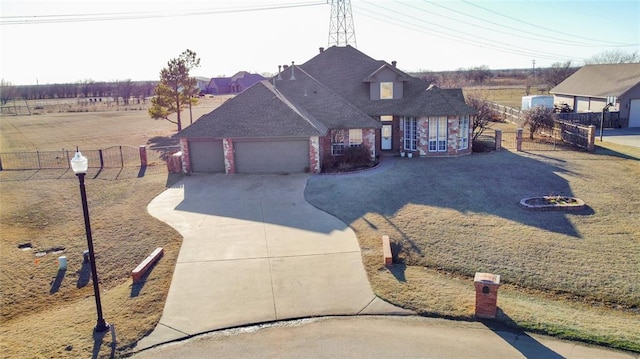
(255, 251)
(378, 337)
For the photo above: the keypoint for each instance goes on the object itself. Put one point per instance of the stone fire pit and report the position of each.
(551, 203)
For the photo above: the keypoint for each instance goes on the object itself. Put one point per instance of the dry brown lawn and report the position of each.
(575, 275)
(46, 313)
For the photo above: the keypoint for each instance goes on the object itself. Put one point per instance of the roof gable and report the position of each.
(401, 76)
(600, 80)
(259, 111)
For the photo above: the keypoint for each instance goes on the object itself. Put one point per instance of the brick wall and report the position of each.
(369, 139)
(186, 160)
(229, 158)
(314, 154)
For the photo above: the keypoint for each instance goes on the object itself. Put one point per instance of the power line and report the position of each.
(538, 37)
(541, 27)
(92, 17)
(474, 39)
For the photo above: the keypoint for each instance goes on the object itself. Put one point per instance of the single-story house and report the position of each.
(234, 84)
(591, 87)
(339, 98)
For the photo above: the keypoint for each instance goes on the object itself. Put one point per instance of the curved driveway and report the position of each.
(255, 251)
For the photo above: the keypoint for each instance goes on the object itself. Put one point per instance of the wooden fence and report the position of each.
(579, 135)
(610, 120)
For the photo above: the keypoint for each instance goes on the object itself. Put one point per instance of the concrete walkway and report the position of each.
(255, 251)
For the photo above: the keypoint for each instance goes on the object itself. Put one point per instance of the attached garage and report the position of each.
(206, 155)
(271, 155)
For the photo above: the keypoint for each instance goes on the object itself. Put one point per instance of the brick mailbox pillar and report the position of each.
(487, 285)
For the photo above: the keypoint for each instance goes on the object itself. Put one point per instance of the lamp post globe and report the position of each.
(79, 165)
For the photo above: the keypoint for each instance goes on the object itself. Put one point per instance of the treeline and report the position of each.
(484, 76)
(125, 89)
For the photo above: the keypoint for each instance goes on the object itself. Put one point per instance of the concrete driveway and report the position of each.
(622, 136)
(255, 251)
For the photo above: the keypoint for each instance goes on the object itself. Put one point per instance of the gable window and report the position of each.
(355, 137)
(463, 133)
(410, 139)
(386, 90)
(438, 134)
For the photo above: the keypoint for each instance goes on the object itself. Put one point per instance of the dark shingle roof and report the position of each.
(347, 71)
(319, 102)
(600, 80)
(259, 111)
(329, 91)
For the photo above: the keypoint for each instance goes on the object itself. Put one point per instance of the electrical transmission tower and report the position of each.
(341, 29)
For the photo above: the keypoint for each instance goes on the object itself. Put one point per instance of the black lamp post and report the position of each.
(79, 164)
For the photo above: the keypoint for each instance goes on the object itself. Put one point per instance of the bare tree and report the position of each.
(539, 118)
(484, 116)
(7, 91)
(614, 57)
(478, 74)
(558, 72)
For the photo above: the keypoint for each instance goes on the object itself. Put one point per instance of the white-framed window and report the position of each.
(386, 90)
(337, 143)
(463, 133)
(410, 137)
(386, 118)
(355, 137)
(438, 134)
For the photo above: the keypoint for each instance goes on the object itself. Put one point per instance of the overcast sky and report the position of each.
(56, 42)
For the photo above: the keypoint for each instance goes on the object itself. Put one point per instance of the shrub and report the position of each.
(539, 118)
(356, 156)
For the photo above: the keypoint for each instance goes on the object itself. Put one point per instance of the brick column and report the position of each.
(498, 140)
(229, 156)
(519, 140)
(314, 154)
(486, 285)
(591, 146)
(186, 160)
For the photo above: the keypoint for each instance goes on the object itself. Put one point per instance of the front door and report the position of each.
(386, 137)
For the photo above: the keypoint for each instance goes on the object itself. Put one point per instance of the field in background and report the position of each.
(510, 96)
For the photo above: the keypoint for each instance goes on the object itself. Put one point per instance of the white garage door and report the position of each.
(272, 156)
(634, 113)
(206, 155)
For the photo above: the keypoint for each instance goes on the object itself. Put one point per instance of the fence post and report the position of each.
(0, 163)
(498, 140)
(38, 155)
(101, 158)
(143, 156)
(519, 140)
(121, 158)
(591, 145)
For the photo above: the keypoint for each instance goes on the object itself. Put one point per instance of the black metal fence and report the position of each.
(556, 141)
(112, 157)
